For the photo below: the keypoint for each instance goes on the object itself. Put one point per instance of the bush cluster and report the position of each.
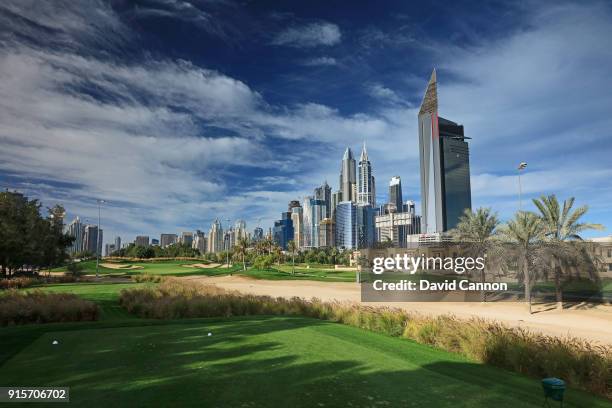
(580, 363)
(146, 277)
(18, 283)
(38, 307)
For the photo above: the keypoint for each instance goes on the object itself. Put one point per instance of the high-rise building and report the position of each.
(283, 230)
(154, 242)
(395, 193)
(109, 249)
(445, 166)
(215, 237)
(336, 198)
(317, 208)
(346, 225)
(366, 230)
(186, 238)
(293, 204)
(240, 229)
(142, 240)
(395, 227)
(117, 243)
(307, 222)
(257, 234)
(76, 230)
(298, 225)
(348, 181)
(167, 240)
(92, 239)
(366, 190)
(327, 233)
(323, 193)
(199, 241)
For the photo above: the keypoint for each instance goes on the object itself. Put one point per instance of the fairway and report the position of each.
(263, 361)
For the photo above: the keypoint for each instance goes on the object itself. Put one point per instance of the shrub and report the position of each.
(582, 364)
(74, 269)
(18, 283)
(39, 307)
(145, 277)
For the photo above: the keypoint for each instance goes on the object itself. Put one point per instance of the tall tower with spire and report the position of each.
(445, 166)
(347, 177)
(366, 193)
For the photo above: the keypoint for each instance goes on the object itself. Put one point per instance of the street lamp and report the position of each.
(229, 237)
(98, 243)
(521, 166)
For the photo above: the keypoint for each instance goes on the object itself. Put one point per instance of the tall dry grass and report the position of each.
(580, 363)
(39, 307)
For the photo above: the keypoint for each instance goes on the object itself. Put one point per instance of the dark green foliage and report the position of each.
(27, 240)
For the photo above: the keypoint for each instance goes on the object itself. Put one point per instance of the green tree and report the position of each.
(292, 248)
(240, 249)
(27, 240)
(562, 225)
(525, 230)
(476, 232)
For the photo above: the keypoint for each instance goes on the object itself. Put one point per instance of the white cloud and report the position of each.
(310, 35)
(320, 61)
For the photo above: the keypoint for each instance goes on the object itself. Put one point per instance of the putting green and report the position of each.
(263, 362)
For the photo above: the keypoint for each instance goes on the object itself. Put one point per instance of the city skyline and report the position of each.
(134, 123)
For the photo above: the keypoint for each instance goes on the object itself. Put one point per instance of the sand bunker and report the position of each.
(120, 266)
(202, 266)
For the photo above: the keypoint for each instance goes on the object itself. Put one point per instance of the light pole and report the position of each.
(98, 243)
(521, 166)
(229, 238)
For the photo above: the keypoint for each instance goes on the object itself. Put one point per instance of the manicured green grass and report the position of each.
(104, 294)
(263, 361)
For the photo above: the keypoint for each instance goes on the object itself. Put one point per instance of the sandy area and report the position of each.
(119, 266)
(202, 266)
(590, 323)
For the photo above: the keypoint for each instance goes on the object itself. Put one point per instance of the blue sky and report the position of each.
(177, 112)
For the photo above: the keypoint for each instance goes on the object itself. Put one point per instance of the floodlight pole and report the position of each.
(98, 243)
(521, 166)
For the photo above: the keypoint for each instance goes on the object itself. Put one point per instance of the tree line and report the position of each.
(30, 241)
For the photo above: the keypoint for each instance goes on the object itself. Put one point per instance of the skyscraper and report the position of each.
(215, 237)
(323, 193)
(445, 166)
(187, 238)
(257, 234)
(77, 230)
(348, 184)
(336, 198)
(365, 226)
(366, 193)
(199, 241)
(167, 240)
(395, 193)
(283, 230)
(298, 225)
(92, 239)
(346, 225)
(240, 229)
(117, 243)
(142, 240)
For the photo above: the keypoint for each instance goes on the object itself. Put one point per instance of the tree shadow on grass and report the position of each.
(269, 362)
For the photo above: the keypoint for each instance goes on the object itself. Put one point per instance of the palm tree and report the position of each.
(241, 248)
(561, 226)
(292, 247)
(525, 229)
(476, 232)
(334, 254)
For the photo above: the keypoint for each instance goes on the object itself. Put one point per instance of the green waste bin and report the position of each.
(553, 389)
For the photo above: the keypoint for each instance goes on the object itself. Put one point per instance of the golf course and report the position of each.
(255, 361)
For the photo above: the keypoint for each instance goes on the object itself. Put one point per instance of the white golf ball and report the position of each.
(209, 334)
(55, 342)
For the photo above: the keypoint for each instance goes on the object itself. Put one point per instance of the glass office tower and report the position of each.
(445, 166)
